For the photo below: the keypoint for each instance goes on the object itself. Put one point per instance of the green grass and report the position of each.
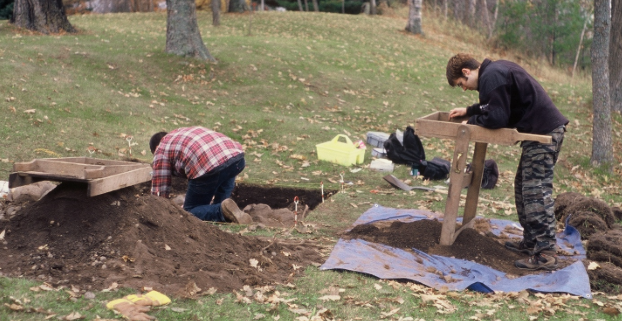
(297, 80)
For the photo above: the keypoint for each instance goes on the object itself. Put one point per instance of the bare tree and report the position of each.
(486, 18)
(216, 13)
(183, 37)
(414, 17)
(44, 16)
(299, 5)
(615, 56)
(576, 58)
(602, 148)
(316, 8)
(471, 13)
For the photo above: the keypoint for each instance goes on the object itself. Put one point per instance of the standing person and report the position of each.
(210, 161)
(510, 98)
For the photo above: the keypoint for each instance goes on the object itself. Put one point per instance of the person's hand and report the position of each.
(457, 112)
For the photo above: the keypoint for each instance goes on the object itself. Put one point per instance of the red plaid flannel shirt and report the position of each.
(189, 152)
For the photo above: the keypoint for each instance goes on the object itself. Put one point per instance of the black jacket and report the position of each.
(510, 98)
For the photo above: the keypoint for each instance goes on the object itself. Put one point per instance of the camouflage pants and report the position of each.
(533, 188)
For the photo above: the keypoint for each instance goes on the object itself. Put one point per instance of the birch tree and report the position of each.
(414, 17)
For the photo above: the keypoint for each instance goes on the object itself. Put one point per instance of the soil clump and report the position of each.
(424, 235)
(136, 240)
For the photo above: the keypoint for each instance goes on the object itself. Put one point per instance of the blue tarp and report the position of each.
(386, 262)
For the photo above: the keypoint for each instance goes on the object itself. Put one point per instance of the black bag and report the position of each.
(411, 153)
(491, 174)
(437, 168)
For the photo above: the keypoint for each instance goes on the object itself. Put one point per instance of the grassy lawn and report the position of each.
(291, 81)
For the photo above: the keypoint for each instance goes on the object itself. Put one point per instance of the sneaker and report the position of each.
(537, 262)
(521, 247)
(233, 214)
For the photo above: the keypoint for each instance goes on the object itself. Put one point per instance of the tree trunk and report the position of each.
(44, 16)
(306, 6)
(182, 32)
(216, 13)
(445, 8)
(299, 5)
(486, 18)
(576, 58)
(602, 148)
(471, 14)
(372, 7)
(414, 17)
(316, 8)
(615, 56)
(343, 6)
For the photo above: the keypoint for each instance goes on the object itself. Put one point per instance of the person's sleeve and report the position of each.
(496, 113)
(161, 178)
(473, 110)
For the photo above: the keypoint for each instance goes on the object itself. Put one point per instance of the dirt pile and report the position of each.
(473, 245)
(588, 215)
(138, 240)
(596, 222)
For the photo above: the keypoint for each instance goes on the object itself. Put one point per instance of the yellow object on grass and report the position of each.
(152, 298)
(345, 154)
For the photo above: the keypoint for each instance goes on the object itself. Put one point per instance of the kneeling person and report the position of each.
(210, 161)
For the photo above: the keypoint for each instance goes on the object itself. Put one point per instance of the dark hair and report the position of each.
(456, 64)
(155, 141)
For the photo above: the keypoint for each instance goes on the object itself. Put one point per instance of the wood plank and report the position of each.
(455, 185)
(118, 181)
(438, 125)
(470, 207)
(77, 167)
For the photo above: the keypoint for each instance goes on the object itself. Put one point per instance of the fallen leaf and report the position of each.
(330, 298)
(612, 311)
(593, 266)
(166, 247)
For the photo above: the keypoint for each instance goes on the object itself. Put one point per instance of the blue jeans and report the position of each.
(218, 186)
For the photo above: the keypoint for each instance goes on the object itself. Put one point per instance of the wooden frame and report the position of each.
(439, 125)
(101, 176)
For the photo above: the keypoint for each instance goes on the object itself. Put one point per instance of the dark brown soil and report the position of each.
(606, 247)
(424, 235)
(564, 200)
(138, 240)
(587, 223)
(607, 278)
(595, 206)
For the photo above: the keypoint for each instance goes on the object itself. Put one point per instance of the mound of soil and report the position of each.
(138, 240)
(595, 206)
(564, 200)
(607, 278)
(587, 223)
(424, 235)
(606, 247)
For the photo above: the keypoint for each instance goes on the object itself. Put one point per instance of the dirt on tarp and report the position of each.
(138, 240)
(424, 235)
